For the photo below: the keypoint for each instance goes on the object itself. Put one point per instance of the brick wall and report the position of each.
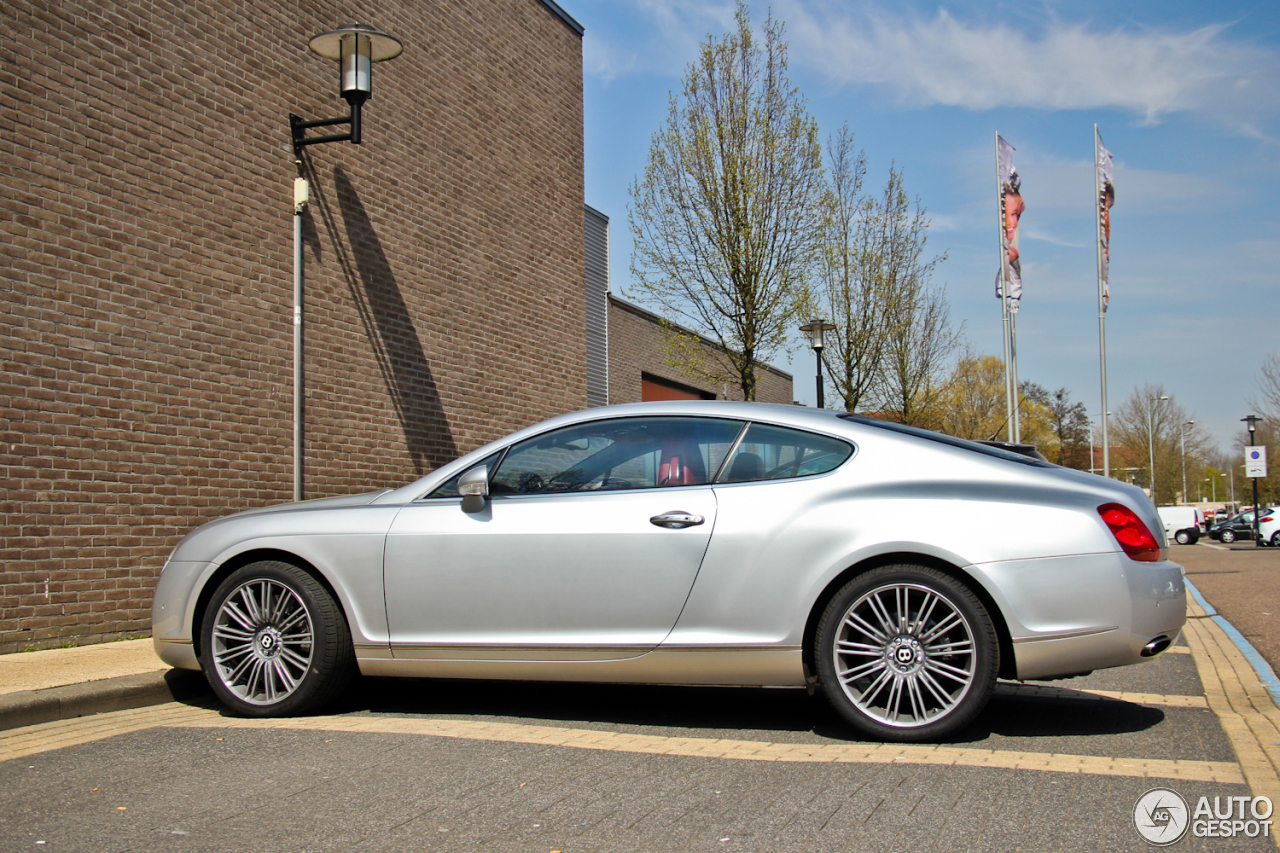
(635, 350)
(146, 186)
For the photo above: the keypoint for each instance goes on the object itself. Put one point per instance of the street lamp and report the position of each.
(355, 47)
(816, 328)
(1151, 443)
(1252, 421)
(1184, 458)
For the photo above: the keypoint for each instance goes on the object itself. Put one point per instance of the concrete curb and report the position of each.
(30, 707)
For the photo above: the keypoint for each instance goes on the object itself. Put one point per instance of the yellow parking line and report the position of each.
(1243, 706)
(1037, 691)
(23, 742)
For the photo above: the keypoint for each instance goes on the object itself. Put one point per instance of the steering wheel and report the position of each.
(531, 483)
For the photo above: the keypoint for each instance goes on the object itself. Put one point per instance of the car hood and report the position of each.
(319, 503)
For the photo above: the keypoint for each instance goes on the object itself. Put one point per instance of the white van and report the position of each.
(1181, 523)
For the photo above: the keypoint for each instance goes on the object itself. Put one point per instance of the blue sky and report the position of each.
(1186, 95)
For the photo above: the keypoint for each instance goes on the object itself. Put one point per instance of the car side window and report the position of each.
(624, 453)
(778, 453)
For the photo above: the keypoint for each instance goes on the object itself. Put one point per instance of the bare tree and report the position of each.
(1147, 423)
(1269, 388)
(726, 215)
(921, 342)
(850, 286)
(1268, 429)
(1070, 424)
(916, 334)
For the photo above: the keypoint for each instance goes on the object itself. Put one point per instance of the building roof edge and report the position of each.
(649, 315)
(564, 16)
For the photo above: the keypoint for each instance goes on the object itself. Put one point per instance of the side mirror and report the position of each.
(474, 488)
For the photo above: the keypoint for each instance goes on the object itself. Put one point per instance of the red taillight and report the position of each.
(1130, 532)
(1268, 518)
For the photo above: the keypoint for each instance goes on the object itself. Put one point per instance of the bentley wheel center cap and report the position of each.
(269, 642)
(905, 653)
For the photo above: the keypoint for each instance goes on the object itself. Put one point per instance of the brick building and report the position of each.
(146, 183)
(146, 180)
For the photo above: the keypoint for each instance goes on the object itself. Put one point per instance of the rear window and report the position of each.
(949, 440)
(777, 453)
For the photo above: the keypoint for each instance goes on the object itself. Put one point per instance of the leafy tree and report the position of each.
(974, 402)
(1036, 417)
(726, 215)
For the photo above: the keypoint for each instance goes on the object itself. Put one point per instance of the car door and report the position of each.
(586, 550)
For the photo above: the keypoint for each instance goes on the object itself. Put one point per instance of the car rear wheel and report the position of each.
(907, 653)
(1275, 539)
(1182, 537)
(275, 642)
(1228, 536)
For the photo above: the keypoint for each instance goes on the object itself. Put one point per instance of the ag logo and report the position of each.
(1161, 816)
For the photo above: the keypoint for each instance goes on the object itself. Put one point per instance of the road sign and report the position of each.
(1255, 461)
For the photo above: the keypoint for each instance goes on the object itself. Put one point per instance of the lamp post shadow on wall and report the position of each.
(355, 47)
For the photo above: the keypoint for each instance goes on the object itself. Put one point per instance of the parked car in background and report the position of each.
(1240, 528)
(1269, 528)
(1181, 523)
(900, 571)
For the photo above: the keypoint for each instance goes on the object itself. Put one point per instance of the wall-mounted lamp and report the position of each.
(355, 48)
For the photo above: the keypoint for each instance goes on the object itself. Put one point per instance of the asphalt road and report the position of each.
(1242, 581)
(507, 766)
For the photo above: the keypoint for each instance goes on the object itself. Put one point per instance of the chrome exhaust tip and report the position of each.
(1156, 646)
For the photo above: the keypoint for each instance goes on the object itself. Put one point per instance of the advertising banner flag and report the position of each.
(1106, 198)
(1011, 208)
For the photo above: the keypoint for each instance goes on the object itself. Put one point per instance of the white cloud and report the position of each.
(652, 36)
(925, 61)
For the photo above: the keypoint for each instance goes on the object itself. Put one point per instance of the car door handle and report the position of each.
(677, 519)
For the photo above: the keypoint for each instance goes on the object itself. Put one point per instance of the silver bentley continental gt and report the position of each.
(899, 570)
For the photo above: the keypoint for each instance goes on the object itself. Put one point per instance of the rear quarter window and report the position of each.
(780, 453)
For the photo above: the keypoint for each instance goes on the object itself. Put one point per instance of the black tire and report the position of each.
(1228, 536)
(1183, 537)
(942, 681)
(274, 642)
(1275, 539)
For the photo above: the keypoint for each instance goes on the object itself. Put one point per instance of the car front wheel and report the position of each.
(1228, 536)
(907, 653)
(275, 642)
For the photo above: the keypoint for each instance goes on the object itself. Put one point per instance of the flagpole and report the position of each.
(1004, 299)
(1102, 305)
(1013, 373)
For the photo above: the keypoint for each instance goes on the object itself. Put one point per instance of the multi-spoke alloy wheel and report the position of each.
(907, 653)
(274, 641)
(262, 642)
